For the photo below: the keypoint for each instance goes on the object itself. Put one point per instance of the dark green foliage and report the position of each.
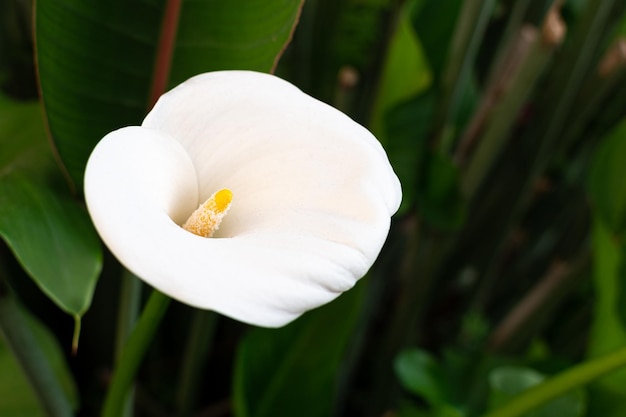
(505, 265)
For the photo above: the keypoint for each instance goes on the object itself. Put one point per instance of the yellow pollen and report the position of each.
(207, 218)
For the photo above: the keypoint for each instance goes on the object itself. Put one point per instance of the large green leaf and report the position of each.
(23, 145)
(434, 22)
(292, 371)
(53, 239)
(49, 233)
(16, 394)
(405, 73)
(96, 59)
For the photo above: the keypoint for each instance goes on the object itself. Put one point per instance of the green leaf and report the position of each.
(420, 374)
(401, 114)
(96, 59)
(23, 145)
(621, 284)
(439, 195)
(607, 331)
(407, 409)
(291, 371)
(404, 76)
(507, 381)
(606, 185)
(49, 233)
(18, 398)
(406, 126)
(237, 34)
(606, 400)
(434, 23)
(53, 240)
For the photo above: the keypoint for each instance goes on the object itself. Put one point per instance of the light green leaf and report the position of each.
(507, 381)
(405, 74)
(419, 373)
(96, 59)
(607, 330)
(50, 234)
(291, 371)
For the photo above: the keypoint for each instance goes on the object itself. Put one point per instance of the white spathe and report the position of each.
(313, 194)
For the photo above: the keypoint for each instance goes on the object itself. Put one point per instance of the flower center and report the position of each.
(207, 218)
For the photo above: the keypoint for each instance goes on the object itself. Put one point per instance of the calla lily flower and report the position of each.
(295, 197)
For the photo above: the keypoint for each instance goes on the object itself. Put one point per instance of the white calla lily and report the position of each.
(312, 197)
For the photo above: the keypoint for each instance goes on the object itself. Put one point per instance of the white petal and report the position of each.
(313, 196)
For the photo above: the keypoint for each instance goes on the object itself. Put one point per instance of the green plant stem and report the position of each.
(133, 352)
(592, 101)
(22, 342)
(560, 384)
(194, 359)
(570, 75)
(470, 28)
(127, 313)
(513, 26)
(534, 55)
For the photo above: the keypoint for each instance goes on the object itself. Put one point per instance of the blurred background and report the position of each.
(506, 123)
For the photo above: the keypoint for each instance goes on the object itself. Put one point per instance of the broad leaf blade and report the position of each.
(53, 239)
(95, 63)
(237, 34)
(96, 58)
(18, 398)
(292, 370)
(434, 23)
(405, 74)
(49, 234)
(22, 139)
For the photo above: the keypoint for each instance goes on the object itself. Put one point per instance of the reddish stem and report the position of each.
(165, 50)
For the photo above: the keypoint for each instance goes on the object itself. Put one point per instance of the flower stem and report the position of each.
(194, 359)
(128, 311)
(21, 340)
(133, 352)
(567, 380)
